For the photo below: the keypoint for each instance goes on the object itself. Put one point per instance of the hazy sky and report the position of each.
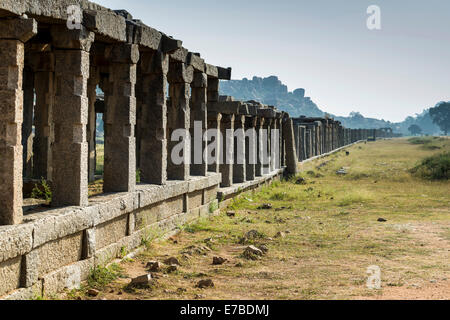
(323, 46)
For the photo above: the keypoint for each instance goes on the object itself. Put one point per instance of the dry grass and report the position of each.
(333, 236)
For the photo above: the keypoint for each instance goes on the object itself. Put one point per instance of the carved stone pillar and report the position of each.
(27, 126)
(199, 123)
(94, 78)
(239, 167)
(120, 121)
(215, 142)
(44, 85)
(251, 142)
(153, 117)
(70, 116)
(13, 34)
(178, 117)
(227, 145)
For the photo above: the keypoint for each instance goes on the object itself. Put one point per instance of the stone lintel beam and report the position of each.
(18, 29)
(224, 73)
(229, 107)
(225, 98)
(171, 45)
(248, 110)
(81, 39)
(148, 37)
(179, 55)
(211, 71)
(266, 113)
(105, 23)
(196, 62)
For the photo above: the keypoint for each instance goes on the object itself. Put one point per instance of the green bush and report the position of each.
(436, 167)
(42, 191)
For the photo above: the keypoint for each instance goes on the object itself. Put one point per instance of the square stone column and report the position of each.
(70, 116)
(153, 117)
(214, 123)
(308, 142)
(199, 123)
(213, 89)
(180, 77)
(251, 147)
(239, 174)
(94, 79)
(267, 140)
(13, 34)
(227, 145)
(297, 140)
(274, 146)
(44, 85)
(27, 126)
(120, 120)
(259, 146)
(281, 144)
(288, 136)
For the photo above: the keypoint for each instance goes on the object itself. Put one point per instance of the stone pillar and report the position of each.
(239, 168)
(308, 143)
(199, 116)
(180, 77)
(92, 122)
(251, 142)
(120, 120)
(13, 34)
(214, 122)
(274, 146)
(267, 145)
(70, 116)
(153, 117)
(227, 145)
(288, 136)
(259, 147)
(281, 146)
(44, 84)
(297, 139)
(27, 125)
(213, 89)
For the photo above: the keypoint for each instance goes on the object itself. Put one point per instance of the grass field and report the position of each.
(330, 236)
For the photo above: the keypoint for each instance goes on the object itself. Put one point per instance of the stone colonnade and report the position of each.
(51, 77)
(317, 136)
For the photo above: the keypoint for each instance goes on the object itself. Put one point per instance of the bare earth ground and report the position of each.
(332, 235)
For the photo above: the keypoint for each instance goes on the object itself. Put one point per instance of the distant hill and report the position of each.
(273, 92)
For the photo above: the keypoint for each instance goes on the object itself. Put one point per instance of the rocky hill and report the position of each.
(273, 92)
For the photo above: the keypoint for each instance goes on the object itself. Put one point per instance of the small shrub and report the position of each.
(213, 207)
(138, 176)
(436, 167)
(100, 276)
(42, 192)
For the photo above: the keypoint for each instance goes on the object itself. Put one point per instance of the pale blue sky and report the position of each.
(323, 46)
